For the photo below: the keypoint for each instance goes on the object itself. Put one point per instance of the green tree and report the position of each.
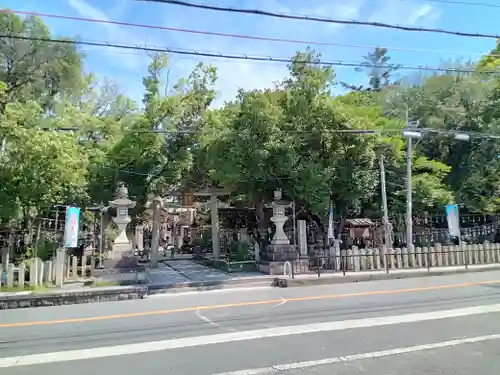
(34, 68)
(155, 153)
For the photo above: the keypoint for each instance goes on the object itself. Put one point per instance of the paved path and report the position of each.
(184, 270)
(434, 325)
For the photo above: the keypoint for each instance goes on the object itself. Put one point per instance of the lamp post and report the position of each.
(411, 132)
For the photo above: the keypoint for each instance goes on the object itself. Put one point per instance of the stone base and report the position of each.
(122, 256)
(278, 267)
(281, 252)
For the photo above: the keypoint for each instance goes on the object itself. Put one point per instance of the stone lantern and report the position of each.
(279, 219)
(279, 252)
(122, 204)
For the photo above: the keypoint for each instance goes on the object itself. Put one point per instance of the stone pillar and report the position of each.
(74, 267)
(257, 252)
(21, 275)
(302, 237)
(47, 268)
(336, 253)
(40, 271)
(33, 274)
(214, 217)
(155, 232)
(5, 258)
(10, 275)
(59, 268)
(404, 257)
(139, 236)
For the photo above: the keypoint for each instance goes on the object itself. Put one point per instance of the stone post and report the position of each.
(155, 232)
(214, 218)
(426, 257)
(10, 275)
(5, 258)
(411, 256)
(487, 253)
(302, 236)
(418, 257)
(369, 258)
(362, 259)
(21, 276)
(59, 268)
(139, 236)
(47, 274)
(74, 267)
(33, 274)
(377, 254)
(397, 258)
(404, 257)
(256, 249)
(40, 271)
(439, 254)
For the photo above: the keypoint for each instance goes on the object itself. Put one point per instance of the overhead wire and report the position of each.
(233, 35)
(229, 56)
(466, 3)
(259, 12)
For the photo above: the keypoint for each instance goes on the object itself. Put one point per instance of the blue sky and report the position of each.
(127, 68)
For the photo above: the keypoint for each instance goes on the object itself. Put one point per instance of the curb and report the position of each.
(72, 297)
(207, 285)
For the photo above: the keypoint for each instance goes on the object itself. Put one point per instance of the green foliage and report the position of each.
(296, 136)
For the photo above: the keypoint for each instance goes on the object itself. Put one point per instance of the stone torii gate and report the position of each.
(157, 204)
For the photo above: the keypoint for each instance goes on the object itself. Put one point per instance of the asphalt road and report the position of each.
(435, 325)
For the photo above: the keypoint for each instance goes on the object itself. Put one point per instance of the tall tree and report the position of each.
(378, 68)
(33, 68)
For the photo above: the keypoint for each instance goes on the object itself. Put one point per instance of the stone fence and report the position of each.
(34, 272)
(356, 259)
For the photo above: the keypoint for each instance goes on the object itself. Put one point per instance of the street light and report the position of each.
(411, 132)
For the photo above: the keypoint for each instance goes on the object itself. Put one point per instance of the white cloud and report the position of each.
(410, 13)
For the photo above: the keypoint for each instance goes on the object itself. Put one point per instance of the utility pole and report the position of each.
(384, 203)
(102, 233)
(410, 132)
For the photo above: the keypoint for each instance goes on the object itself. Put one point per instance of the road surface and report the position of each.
(435, 325)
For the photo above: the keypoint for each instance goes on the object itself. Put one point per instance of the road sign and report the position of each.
(453, 220)
(71, 227)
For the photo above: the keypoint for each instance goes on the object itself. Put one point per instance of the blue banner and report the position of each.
(72, 226)
(453, 220)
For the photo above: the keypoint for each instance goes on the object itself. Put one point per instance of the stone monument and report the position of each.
(122, 247)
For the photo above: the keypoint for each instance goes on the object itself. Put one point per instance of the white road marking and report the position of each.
(361, 356)
(155, 346)
(205, 319)
(281, 303)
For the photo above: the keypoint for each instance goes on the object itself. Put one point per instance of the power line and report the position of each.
(468, 3)
(231, 35)
(322, 19)
(229, 56)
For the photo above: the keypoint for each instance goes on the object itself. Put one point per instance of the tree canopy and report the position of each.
(68, 138)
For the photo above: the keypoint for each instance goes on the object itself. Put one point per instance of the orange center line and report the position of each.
(245, 304)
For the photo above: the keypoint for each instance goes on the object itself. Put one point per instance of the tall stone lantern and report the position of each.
(279, 251)
(122, 246)
(279, 219)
